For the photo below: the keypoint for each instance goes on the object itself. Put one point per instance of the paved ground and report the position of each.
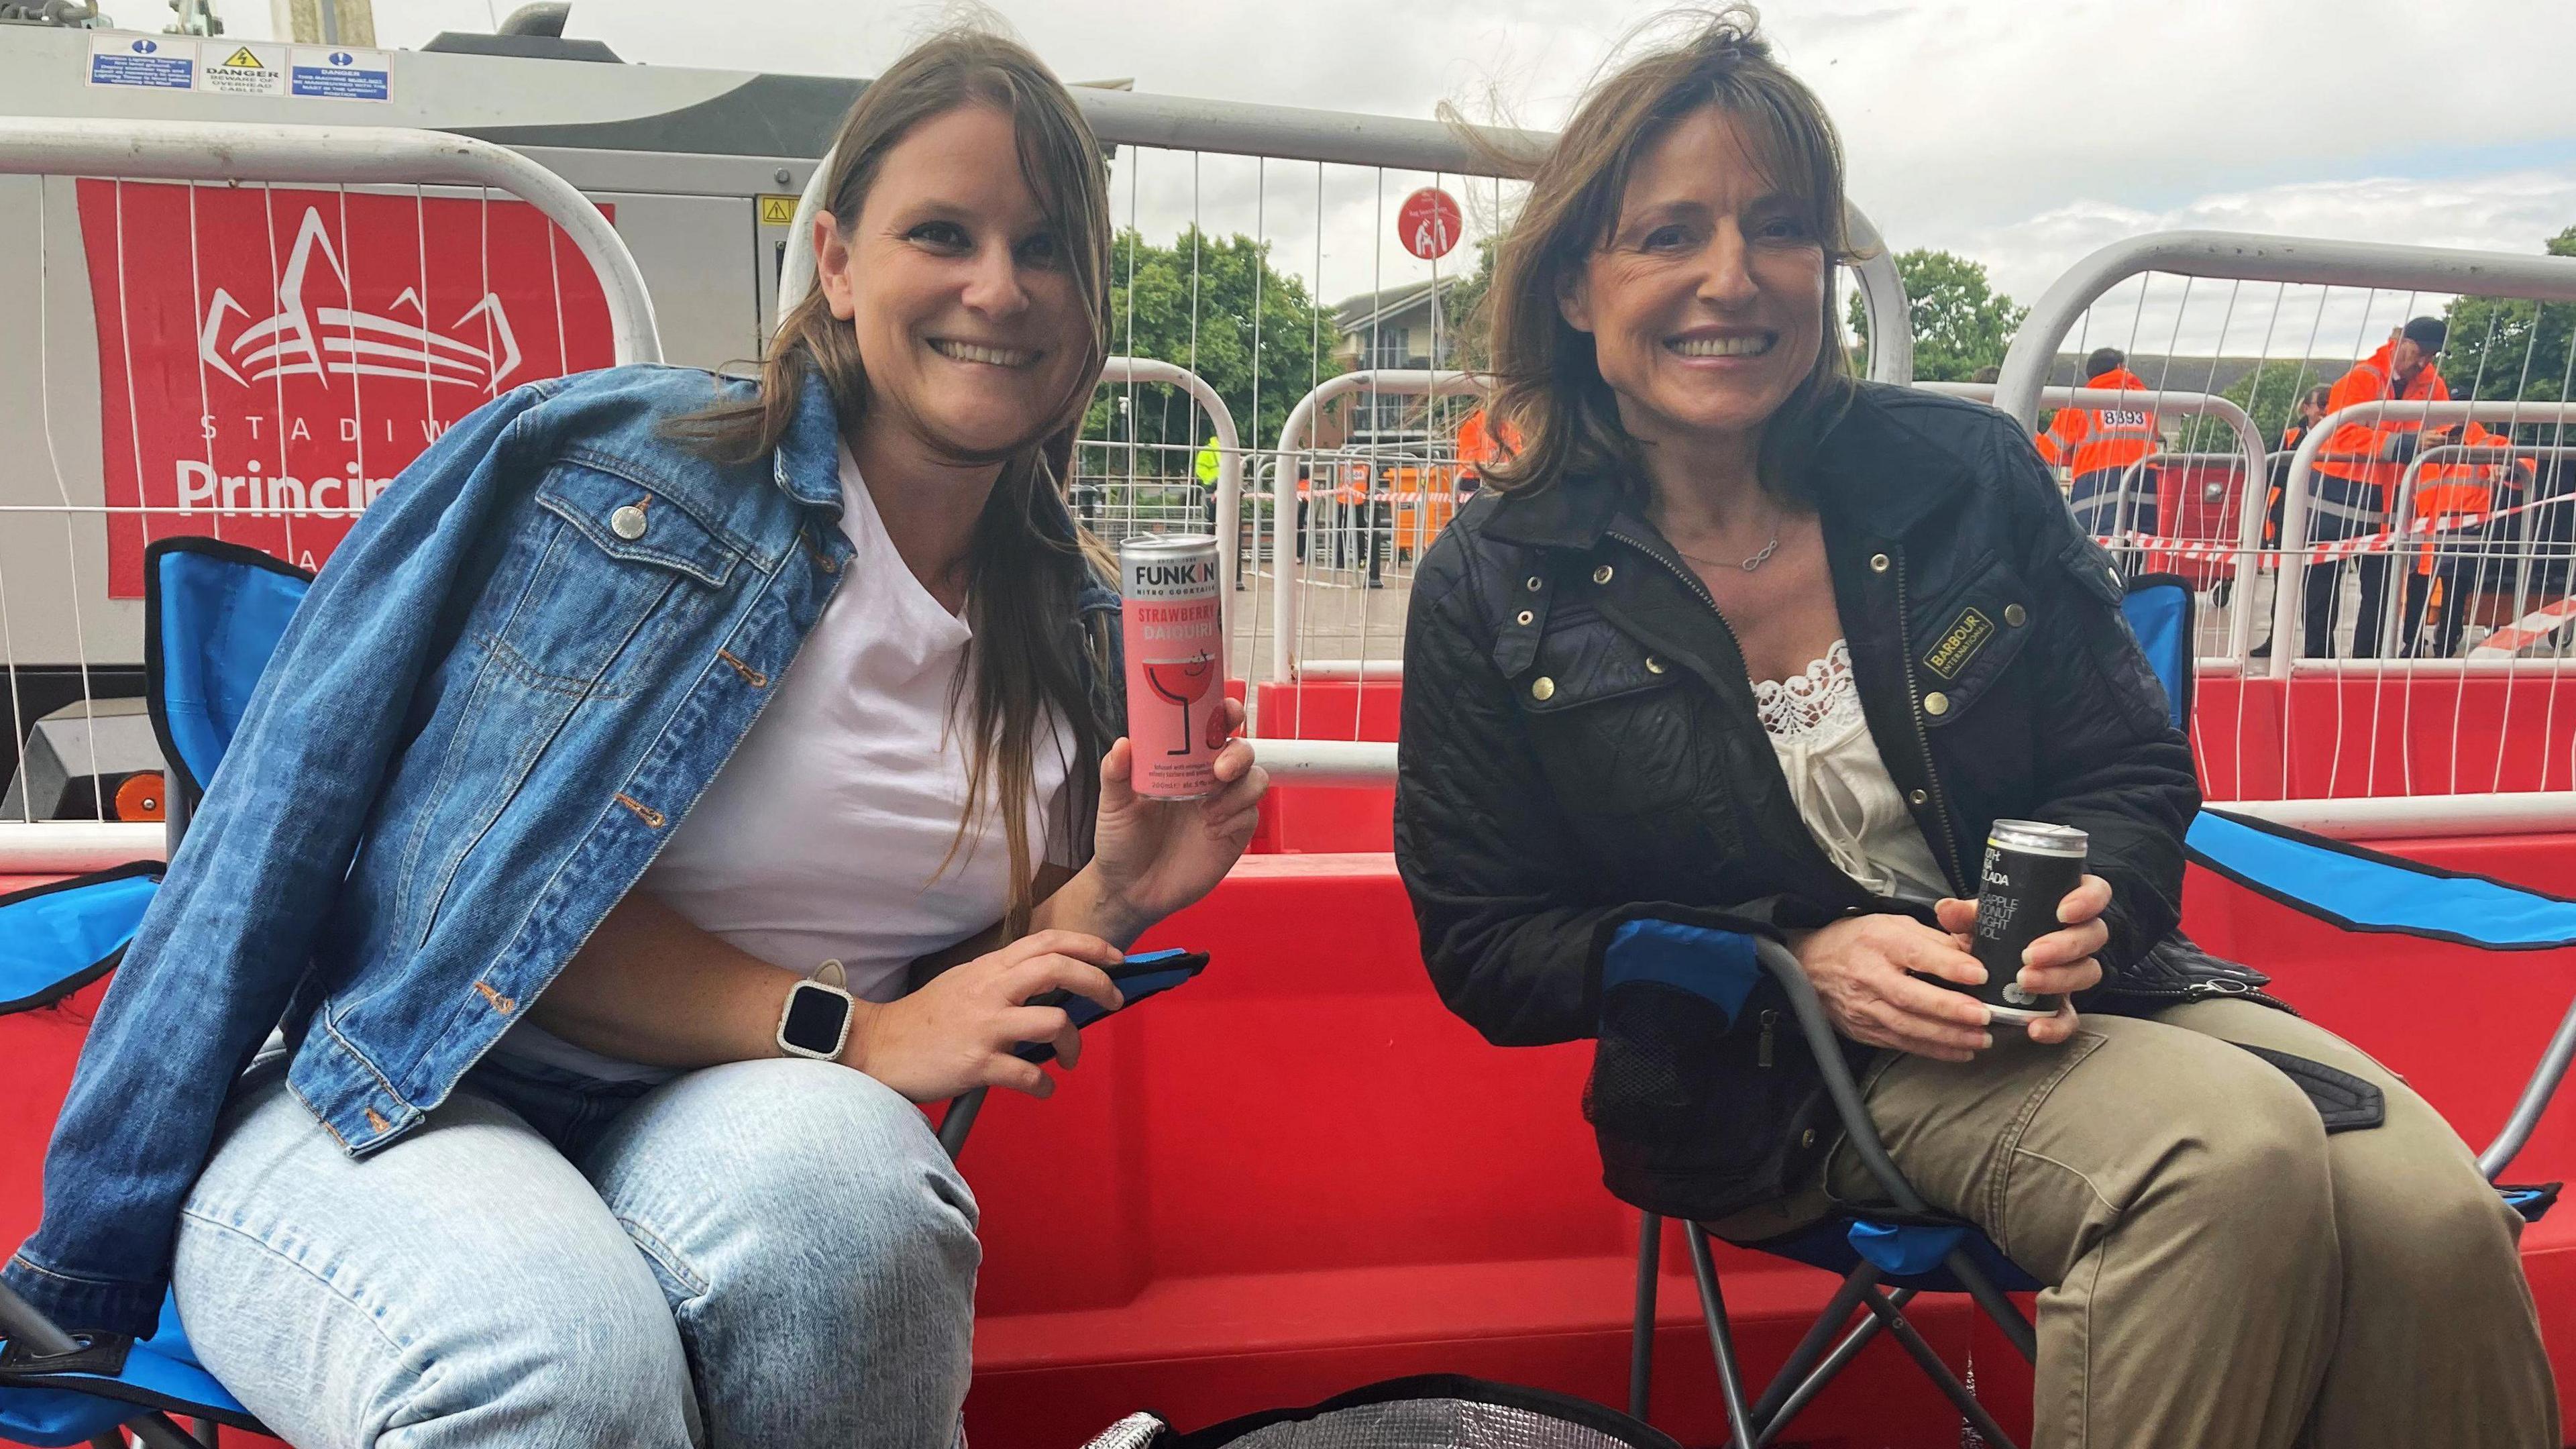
(1337, 619)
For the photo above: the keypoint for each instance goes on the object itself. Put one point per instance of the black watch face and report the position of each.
(814, 1018)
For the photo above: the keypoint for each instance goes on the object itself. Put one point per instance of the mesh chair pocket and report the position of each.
(1698, 1116)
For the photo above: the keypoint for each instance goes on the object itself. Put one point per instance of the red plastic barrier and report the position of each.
(1302, 1173)
(1310, 819)
(2361, 734)
(2366, 733)
(2197, 501)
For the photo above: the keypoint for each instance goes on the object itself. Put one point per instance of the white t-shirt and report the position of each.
(823, 836)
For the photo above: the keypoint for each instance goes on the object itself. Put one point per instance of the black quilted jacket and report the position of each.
(1580, 749)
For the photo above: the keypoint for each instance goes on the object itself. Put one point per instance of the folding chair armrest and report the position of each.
(20, 1322)
(1828, 1051)
(960, 1120)
(2534, 1100)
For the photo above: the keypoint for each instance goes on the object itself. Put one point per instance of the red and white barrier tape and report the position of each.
(2203, 548)
(2536, 627)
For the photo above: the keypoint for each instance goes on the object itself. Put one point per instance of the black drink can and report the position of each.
(2030, 867)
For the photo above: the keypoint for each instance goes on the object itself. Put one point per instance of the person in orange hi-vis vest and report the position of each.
(2106, 448)
(1479, 442)
(2359, 467)
(2461, 559)
(2311, 409)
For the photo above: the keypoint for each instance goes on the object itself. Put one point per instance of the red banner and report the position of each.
(269, 359)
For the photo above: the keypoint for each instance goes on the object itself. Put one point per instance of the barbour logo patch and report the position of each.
(1959, 643)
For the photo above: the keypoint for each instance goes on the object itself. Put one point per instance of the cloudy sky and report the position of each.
(2023, 135)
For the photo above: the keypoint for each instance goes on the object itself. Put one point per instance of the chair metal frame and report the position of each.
(1826, 1349)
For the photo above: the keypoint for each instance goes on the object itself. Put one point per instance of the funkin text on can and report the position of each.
(1175, 662)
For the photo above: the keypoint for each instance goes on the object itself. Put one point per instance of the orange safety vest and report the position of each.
(2089, 440)
(1482, 440)
(2354, 450)
(1351, 482)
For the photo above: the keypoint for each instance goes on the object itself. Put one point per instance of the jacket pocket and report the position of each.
(1965, 643)
(603, 571)
(630, 522)
(1612, 729)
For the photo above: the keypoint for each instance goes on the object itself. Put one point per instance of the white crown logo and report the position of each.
(303, 340)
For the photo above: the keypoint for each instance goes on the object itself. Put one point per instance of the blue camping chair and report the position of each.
(212, 614)
(1889, 1258)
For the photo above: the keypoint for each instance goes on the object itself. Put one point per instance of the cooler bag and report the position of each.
(1427, 1411)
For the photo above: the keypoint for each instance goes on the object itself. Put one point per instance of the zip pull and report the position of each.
(1770, 1028)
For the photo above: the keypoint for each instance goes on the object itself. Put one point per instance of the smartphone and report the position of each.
(1138, 977)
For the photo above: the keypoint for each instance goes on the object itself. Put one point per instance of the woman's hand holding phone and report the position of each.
(956, 1033)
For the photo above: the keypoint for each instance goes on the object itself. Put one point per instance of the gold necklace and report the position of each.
(1760, 556)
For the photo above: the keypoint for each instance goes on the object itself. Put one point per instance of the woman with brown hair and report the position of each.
(1732, 640)
(633, 756)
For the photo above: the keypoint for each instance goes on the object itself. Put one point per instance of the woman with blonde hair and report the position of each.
(1736, 641)
(630, 759)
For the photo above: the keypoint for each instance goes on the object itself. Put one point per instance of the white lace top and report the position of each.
(1841, 786)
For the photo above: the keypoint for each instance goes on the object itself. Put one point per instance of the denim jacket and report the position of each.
(487, 718)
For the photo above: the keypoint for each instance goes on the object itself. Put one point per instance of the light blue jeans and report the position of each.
(767, 1253)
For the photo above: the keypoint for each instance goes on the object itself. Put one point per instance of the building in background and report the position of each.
(1412, 326)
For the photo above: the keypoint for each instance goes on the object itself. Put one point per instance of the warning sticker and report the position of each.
(140, 60)
(244, 69)
(777, 211)
(341, 74)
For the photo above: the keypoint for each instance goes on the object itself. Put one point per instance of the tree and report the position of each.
(2270, 396)
(1212, 333)
(1960, 322)
(1466, 304)
(2502, 348)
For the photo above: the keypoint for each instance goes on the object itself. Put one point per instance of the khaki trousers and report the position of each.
(2225, 1274)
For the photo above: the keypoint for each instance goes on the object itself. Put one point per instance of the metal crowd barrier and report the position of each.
(233, 154)
(2249, 453)
(1386, 382)
(2303, 503)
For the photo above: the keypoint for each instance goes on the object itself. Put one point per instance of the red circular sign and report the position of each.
(1429, 223)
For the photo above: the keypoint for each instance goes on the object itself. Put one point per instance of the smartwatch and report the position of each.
(815, 1022)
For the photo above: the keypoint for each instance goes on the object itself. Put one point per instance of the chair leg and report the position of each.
(1721, 1339)
(1814, 1383)
(1997, 1306)
(1838, 1311)
(158, 1431)
(1641, 1337)
(1948, 1383)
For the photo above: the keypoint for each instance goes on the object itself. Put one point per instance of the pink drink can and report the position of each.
(1175, 662)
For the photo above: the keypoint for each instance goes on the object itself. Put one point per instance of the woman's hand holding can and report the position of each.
(1151, 857)
(2059, 963)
